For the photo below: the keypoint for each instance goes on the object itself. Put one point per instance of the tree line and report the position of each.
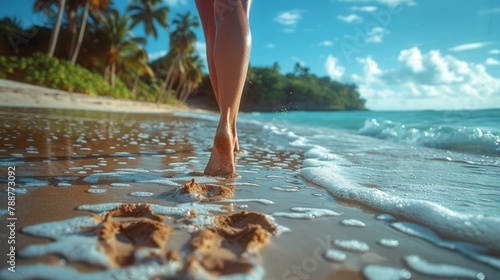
(268, 90)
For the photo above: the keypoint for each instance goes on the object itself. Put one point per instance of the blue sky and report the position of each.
(403, 54)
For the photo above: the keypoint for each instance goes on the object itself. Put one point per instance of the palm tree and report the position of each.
(148, 12)
(121, 42)
(192, 77)
(138, 61)
(97, 6)
(13, 25)
(45, 5)
(181, 45)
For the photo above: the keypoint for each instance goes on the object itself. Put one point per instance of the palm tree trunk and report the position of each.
(163, 86)
(168, 78)
(171, 83)
(106, 73)
(113, 74)
(180, 88)
(57, 27)
(134, 87)
(185, 92)
(82, 32)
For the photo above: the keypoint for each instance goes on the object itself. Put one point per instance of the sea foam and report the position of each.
(466, 139)
(468, 227)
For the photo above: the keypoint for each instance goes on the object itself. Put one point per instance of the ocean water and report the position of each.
(440, 169)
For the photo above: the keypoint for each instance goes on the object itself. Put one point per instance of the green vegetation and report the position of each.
(40, 69)
(89, 47)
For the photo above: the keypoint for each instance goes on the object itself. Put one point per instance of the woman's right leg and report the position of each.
(206, 10)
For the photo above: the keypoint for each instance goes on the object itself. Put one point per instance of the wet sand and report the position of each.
(121, 185)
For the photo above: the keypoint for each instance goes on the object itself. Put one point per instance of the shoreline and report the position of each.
(17, 94)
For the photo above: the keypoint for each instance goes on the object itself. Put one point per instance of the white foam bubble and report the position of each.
(64, 184)
(389, 243)
(286, 188)
(306, 213)
(420, 265)
(31, 182)
(141, 194)
(98, 208)
(196, 271)
(96, 190)
(119, 185)
(72, 247)
(385, 217)
(382, 272)
(244, 184)
(352, 245)
(45, 271)
(19, 190)
(162, 181)
(353, 223)
(54, 230)
(335, 255)
(133, 170)
(240, 200)
(475, 252)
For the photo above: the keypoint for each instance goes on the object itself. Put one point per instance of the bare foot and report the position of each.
(221, 162)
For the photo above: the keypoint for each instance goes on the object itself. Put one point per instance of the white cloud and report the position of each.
(397, 2)
(352, 18)
(466, 47)
(432, 68)
(370, 69)
(289, 18)
(494, 51)
(427, 81)
(492, 61)
(333, 69)
(376, 35)
(269, 46)
(369, 9)
(175, 2)
(156, 55)
(412, 59)
(326, 43)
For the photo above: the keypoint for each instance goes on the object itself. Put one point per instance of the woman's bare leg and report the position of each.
(231, 55)
(206, 10)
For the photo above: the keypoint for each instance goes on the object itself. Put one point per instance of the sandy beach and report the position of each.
(16, 94)
(107, 188)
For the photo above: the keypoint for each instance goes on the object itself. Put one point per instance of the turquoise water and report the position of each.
(466, 131)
